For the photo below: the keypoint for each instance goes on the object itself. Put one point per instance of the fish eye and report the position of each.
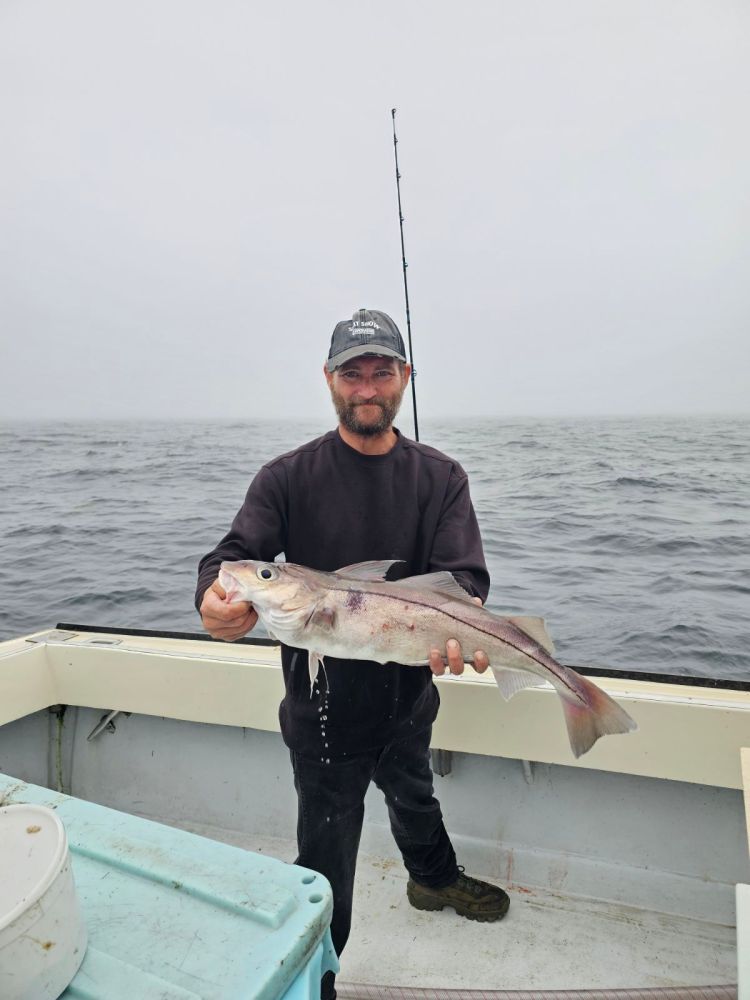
(264, 573)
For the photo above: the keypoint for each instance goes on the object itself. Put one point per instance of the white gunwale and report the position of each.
(241, 685)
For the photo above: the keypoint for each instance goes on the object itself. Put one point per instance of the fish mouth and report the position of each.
(231, 585)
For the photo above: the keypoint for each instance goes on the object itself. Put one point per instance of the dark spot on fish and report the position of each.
(47, 945)
(354, 600)
(411, 627)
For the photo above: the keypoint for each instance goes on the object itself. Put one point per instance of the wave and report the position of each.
(651, 484)
(97, 600)
(88, 474)
(38, 529)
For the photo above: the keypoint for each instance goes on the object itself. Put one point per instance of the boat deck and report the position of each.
(622, 868)
(549, 941)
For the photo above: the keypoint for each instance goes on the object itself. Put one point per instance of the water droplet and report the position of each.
(328, 760)
(326, 744)
(325, 718)
(321, 760)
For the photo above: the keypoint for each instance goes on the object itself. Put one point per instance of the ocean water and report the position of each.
(631, 537)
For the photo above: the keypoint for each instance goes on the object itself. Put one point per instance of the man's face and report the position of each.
(367, 393)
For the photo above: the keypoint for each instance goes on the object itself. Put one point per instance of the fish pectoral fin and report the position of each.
(324, 617)
(441, 583)
(373, 569)
(314, 663)
(511, 682)
(534, 627)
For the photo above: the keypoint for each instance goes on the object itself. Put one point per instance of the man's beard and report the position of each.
(348, 415)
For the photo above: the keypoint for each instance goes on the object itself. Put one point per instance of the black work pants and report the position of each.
(330, 799)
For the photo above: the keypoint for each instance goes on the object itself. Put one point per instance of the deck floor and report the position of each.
(547, 940)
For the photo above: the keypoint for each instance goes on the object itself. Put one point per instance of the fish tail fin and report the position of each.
(592, 714)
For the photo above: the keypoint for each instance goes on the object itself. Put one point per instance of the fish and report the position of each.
(354, 613)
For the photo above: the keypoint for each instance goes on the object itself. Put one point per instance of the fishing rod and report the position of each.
(404, 266)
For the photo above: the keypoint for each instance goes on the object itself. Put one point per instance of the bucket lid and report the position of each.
(33, 847)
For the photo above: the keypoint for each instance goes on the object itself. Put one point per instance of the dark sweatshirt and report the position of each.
(326, 505)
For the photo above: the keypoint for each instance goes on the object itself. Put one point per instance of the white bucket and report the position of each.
(42, 934)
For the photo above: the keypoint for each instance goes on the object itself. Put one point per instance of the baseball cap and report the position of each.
(367, 332)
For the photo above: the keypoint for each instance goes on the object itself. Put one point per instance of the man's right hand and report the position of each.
(226, 621)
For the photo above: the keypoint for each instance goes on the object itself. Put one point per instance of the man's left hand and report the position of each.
(455, 656)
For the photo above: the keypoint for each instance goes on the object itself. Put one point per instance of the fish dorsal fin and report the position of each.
(511, 682)
(373, 569)
(441, 583)
(535, 628)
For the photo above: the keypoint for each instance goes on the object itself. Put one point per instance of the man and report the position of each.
(359, 493)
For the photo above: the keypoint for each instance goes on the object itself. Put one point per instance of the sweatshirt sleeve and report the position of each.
(258, 531)
(458, 545)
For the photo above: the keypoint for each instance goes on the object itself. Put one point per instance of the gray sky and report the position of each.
(192, 194)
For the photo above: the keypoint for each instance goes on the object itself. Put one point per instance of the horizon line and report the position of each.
(237, 418)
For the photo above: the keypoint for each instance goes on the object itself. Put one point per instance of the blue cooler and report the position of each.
(174, 916)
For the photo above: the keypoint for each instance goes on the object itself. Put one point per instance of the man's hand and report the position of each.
(226, 621)
(455, 656)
